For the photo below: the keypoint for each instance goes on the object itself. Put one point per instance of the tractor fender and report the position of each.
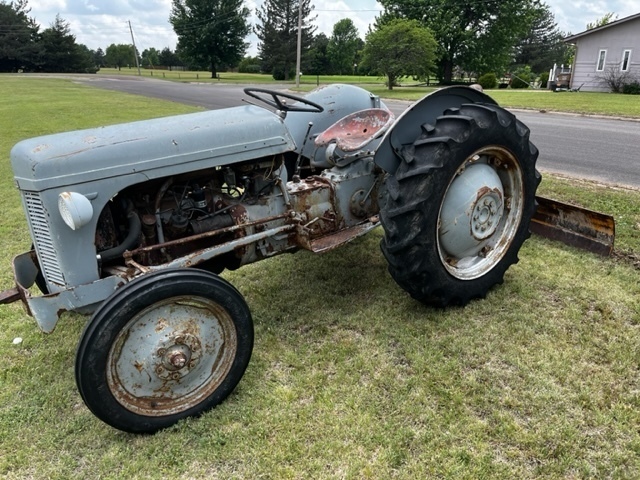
(408, 126)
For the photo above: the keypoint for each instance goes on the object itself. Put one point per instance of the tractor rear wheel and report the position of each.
(457, 210)
(168, 345)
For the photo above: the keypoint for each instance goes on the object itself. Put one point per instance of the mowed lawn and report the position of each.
(350, 378)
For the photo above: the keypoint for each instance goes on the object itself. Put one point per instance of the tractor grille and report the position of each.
(42, 238)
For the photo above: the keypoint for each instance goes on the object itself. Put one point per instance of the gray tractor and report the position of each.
(133, 223)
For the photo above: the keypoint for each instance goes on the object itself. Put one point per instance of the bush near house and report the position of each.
(632, 88)
(544, 79)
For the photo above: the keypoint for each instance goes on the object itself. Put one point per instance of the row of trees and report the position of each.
(24, 47)
(430, 38)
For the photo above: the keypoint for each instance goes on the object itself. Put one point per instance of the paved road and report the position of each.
(601, 149)
(207, 95)
(607, 150)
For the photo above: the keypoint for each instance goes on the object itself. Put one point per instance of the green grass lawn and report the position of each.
(350, 378)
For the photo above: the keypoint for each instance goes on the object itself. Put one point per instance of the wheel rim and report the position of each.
(171, 356)
(480, 213)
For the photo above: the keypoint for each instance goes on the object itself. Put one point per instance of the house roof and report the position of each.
(572, 38)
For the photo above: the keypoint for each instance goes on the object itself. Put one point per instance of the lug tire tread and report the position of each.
(411, 202)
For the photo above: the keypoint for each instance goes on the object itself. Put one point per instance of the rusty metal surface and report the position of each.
(205, 254)
(354, 131)
(172, 356)
(193, 238)
(10, 296)
(575, 226)
(329, 242)
(314, 199)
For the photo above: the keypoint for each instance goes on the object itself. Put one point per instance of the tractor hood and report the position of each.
(153, 148)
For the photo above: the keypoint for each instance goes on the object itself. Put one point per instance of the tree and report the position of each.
(343, 46)
(601, 22)
(18, 37)
(168, 58)
(150, 57)
(119, 55)
(278, 34)
(316, 61)
(400, 48)
(478, 36)
(98, 58)
(61, 53)
(211, 31)
(543, 44)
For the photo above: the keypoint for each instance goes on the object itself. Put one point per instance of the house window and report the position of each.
(626, 60)
(602, 55)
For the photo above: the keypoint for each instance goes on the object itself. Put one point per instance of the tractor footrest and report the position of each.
(329, 242)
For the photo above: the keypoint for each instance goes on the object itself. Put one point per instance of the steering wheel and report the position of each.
(277, 102)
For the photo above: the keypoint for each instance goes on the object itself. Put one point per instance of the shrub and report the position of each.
(249, 65)
(615, 79)
(278, 74)
(632, 88)
(521, 78)
(520, 82)
(544, 79)
(251, 69)
(488, 80)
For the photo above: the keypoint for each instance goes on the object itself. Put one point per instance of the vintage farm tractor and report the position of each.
(134, 222)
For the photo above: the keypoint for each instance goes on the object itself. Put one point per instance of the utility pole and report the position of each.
(299, 42)
(135, 50)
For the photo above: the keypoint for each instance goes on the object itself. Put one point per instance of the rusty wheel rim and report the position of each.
(171, 356)
(480, 213)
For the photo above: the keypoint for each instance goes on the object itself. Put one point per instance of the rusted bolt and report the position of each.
(178, 360)
(159, 369)
(175, 376)
(192, 364)
(161, 352)
(179, 340)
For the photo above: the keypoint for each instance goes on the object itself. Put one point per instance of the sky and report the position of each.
(99, 23)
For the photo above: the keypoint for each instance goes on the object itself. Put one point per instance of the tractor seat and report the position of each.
(354, 131)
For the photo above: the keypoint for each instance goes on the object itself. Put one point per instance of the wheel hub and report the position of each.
(487, 213)
(177, 356)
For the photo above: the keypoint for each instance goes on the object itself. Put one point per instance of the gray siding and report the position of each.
(615, 40)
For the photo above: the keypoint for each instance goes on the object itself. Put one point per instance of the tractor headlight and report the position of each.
(75, 209)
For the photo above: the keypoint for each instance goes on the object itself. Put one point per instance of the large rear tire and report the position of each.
(169, 345)
(457, 210)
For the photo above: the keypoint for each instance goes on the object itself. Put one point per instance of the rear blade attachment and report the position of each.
(575, 226)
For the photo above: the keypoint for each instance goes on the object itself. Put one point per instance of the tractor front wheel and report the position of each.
(169, 345)
(457, 210)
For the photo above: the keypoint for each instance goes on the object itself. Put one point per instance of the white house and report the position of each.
(613, 48)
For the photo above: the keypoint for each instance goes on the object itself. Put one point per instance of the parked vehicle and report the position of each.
(133, 223)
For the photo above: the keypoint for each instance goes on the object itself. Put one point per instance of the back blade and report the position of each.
(575, 226)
